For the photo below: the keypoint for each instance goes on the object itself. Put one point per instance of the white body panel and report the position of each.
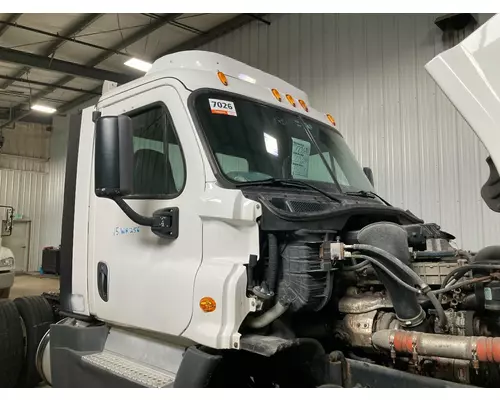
(469, 75)
(150, 279)
(155, 284)
(80, 298)
(197, 61)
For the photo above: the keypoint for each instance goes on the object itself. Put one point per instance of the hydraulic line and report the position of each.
(460, 284)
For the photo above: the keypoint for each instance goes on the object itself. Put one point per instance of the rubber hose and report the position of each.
(272, 268)
(356, 267)
(461, 271)
(388, 243)
(412, 274)
(388, 272)
(394, 260)
(269, 316)
(460, 284)
(434, 254)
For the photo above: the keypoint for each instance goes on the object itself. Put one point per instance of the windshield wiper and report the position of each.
(320, 153)
(368, 194)
(289, 182)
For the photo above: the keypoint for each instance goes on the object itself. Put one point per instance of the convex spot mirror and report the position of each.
(114, 156)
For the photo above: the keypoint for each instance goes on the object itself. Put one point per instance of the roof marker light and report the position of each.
(331, 119)
(291, 100)
(138, 64)
(276, 94)
(222, 78)
(304, 105)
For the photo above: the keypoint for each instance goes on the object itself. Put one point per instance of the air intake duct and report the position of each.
(393, 239)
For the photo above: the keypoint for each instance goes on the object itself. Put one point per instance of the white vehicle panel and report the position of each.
(79, 296)
(469, 75)
(151, 279)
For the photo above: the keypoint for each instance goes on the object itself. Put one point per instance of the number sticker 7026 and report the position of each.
(222, 107)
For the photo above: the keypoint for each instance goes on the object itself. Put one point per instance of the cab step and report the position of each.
(136, 372)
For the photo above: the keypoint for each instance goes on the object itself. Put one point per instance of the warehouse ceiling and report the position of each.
(61, 60)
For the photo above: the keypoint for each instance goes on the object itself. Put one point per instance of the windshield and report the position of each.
(252, 142)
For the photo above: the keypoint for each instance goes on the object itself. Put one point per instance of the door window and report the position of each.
(159, 168)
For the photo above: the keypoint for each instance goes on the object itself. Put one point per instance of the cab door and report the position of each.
(136, 278)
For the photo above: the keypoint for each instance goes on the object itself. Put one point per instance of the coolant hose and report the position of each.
(486, 349)
(269, 316)
(272, 268)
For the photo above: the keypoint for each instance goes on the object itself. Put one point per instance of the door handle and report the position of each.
(102, 281)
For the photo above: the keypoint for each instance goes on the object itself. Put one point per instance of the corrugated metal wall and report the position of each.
(23, 177)
(368, 71)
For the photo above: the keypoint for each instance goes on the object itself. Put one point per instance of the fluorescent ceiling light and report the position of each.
(44, 109)
(138, 64)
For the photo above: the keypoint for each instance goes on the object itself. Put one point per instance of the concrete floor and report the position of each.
(33, 285)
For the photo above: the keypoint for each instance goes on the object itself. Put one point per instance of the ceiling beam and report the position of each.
(198, 41)
(220, 30)
(66, 67)
(135, 37)
(73, 30)
(58, 36)
(53, 85)
(13, 18)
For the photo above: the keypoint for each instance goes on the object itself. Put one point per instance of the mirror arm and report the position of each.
(164, 223)
(134, 216)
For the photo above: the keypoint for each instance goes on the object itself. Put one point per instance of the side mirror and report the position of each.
(114, 156)
(114, 163)
(369, 174)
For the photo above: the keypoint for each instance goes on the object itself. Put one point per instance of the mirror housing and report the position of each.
(114, 163)
(369, 174)
(114, 156)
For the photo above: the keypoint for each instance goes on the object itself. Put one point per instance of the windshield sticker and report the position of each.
(271, 144)
(222, 107)
(300, 158)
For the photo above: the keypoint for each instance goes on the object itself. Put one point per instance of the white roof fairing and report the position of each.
(207, 61)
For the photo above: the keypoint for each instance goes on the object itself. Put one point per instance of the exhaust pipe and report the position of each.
(473, 348)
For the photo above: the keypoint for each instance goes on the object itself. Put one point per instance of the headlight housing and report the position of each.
(7, 262)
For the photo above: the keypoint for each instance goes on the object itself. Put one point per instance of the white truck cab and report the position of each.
(7, 264)
(218, 231)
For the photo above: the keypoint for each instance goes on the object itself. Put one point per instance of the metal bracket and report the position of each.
(166, 223)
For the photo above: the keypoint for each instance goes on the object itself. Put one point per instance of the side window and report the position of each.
(159, 168)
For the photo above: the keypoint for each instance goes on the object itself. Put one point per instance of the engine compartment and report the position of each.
(386, 289)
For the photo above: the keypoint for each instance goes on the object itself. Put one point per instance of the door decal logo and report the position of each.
(126, 231)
